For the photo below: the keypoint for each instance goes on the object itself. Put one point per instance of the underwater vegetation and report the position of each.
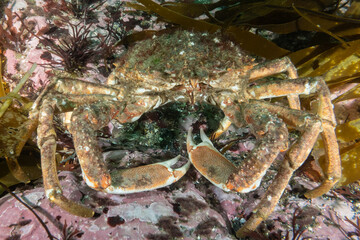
(11, 37)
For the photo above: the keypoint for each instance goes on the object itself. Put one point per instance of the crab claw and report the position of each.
(146, 177)
(209, 161)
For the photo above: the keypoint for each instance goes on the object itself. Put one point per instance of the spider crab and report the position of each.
(191, 67)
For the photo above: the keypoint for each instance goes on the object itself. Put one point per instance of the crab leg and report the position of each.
(94, 112)
(264, 70)
(298, 153)
(85, 121)
(42, 114)
(325, 111)
(273, 67)
(215, 167)
(247, 177)
(47, 145)
(294, 158)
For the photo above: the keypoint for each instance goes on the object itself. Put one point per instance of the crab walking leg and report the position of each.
(74, 91)
(274, 67)
(273, 136)
(332, 171)
(325, 111)
(85, 121)
(25, 133)
(294, 158)
(47, 145)
(73, 86)
(264, 70)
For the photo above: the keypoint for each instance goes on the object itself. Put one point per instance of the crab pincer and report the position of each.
(145, 178)
(209, 161)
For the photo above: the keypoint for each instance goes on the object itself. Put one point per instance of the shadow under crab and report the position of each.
(191, 67)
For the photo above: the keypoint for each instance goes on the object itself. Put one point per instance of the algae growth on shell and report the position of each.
(184, 55)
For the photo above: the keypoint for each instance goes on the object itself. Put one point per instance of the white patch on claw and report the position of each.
(255, 185)
(190, 140)
(204, 138)
(88, 182)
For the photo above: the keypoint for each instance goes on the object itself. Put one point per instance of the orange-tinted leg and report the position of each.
(47, 145)
(86, 120)
(263, 70)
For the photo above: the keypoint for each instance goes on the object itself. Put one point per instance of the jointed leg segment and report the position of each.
(93, 112)
(295, 156)
(274, 67)
(263, 119)
(273, 138)
(263, 70)
(47, 145)
(86, 120)
(326, 114)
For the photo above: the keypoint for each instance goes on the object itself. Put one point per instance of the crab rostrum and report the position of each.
(191, 67)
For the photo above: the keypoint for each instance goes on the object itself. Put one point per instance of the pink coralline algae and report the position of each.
(189, 209)
(160, 214)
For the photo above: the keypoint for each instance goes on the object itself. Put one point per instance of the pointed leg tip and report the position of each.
(69, 205)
